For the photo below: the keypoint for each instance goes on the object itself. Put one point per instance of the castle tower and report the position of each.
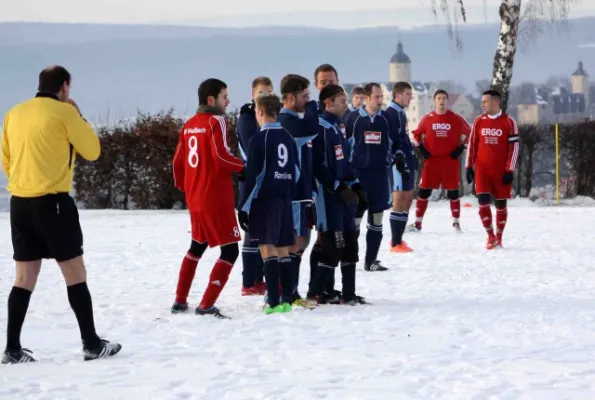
(580, 82)
(400, 66)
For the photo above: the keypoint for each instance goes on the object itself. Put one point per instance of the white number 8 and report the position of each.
(283, 156)
(193, 153)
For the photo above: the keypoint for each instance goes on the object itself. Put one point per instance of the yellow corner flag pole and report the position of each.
(557, 168)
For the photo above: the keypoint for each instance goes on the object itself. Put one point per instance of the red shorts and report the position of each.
(216, 228)
(441, 171)
(487, 181)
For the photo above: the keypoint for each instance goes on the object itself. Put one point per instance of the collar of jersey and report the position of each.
(495, 115)
(364, 113)
(271, 125)
(396, 106)
(329, 117)
(352, 108)
(287, 111)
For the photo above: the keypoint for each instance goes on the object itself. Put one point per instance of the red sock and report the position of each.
(485, 213)
(217, 281)
(187, 270)
(421, 205)
(455, 209)
(501, 217)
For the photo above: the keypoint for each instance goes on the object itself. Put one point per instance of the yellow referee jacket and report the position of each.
(40, 140)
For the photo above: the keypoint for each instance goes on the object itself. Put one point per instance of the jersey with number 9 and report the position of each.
(272, 170)
(203, 164)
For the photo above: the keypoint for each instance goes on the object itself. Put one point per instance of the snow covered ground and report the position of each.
(449, 321)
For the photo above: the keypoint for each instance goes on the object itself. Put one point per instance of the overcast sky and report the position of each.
(241, 12)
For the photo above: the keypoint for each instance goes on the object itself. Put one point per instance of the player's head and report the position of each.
(441, 101)
(295, 92)
(374, 97)
(357, 96)
(490, 101)
(213, 93)
(55, 80)
(402, 93)
(325, 74)
(334, 99)
(266, 106)
(260, 85)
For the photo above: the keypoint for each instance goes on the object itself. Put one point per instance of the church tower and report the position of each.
(580, 82)
(400, 66)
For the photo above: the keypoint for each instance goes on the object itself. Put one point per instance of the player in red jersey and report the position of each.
(440, 137)
(203, 166)
(491, 161)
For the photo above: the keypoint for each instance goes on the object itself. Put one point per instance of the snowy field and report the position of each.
(449, 321)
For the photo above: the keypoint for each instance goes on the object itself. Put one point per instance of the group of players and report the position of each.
(323, 164)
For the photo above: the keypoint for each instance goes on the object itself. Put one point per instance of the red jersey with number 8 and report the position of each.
(203, 164)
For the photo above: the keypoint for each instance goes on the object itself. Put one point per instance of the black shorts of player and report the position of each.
(271, 222)
(45, 227)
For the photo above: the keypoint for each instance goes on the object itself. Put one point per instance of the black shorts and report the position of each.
(45, 227)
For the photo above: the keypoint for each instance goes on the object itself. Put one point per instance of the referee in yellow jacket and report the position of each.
(41, 138)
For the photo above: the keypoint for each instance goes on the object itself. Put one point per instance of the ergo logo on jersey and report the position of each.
(491, 132)
(441, 127)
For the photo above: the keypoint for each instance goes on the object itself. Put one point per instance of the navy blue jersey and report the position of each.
(349, 110)
(397, 114)
(272, 170)
(331, 153)
(372, 138)
(303, 130)
(247, 127)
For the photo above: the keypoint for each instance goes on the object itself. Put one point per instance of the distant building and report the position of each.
(557, 105)
(422, 101)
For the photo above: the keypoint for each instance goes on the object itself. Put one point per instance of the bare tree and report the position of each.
(534, 14)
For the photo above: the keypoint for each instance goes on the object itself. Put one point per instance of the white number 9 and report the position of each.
(283, 156)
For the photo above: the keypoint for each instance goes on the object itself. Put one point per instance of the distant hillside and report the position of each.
(118, 69)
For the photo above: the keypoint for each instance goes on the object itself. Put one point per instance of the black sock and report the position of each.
(324, 272)
(18, 303)
(348, 276)
(80, 301)
(373, 241)
(250, 260)
(314, 254)
(398, 223)
(271, 276)
(296, 260)
(287, 274)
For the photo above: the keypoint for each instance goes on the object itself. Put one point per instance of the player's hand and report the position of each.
(457, 152)
(400, 162)
(424, 152)
(242, 175)
(346, 193)
(470, 175)
(243, 218)
(507, 178)
(406, 175)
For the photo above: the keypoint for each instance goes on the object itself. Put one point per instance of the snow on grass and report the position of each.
(449, 321)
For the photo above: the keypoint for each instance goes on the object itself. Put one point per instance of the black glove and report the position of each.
(457, 152)
(507, 178)
(243, 218)
(400, 162)
(242, 175)
(362, 200)
(470, 175)
(347, 194)
(424, 152)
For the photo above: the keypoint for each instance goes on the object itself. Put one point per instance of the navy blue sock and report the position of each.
(348, 276)
(398, 223)
(373, 241)
(272, 276)
(286, 269)
(250, 262)
(314, 254)
(324, 272)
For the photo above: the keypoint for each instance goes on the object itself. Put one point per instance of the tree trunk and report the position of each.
(510, 14)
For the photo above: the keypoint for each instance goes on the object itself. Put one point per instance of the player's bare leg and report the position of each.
(275, 259)
(501, 218)
(18, 303)
(455, 208)
(402, 201)
(485, 214)
(186, 275)
(217, 280)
